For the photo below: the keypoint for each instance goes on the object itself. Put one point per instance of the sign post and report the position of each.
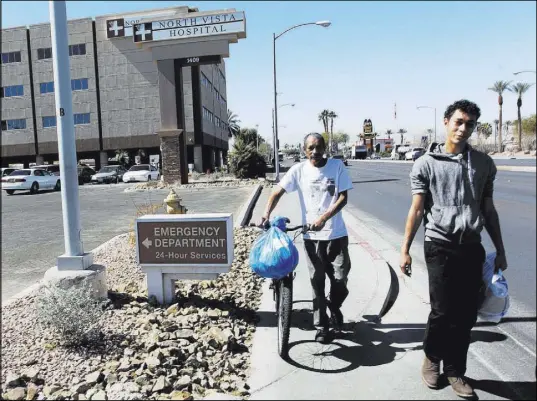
(183, 247)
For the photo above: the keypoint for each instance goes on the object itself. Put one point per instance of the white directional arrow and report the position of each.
(147, 243)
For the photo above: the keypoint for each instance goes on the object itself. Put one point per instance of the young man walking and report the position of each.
(322, 186)
(452, 188)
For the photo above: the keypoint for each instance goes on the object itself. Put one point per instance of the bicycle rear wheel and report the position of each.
(284, 308)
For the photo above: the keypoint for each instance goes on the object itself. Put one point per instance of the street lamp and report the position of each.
(324, 24)
(520, 72)
(274, 139)
(434, 108)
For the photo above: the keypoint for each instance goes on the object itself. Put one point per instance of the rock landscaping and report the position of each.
(197, 347)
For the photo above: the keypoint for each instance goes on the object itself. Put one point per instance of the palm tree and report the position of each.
(122, 157)
(496, 122)
(402, 132)
(332, 115)
(507, 125)
(520, 88)
(323, 116)
(499, 87)
(389, 133)
(232, 123)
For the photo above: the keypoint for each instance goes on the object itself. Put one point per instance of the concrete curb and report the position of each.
(359, 235)
(34, 288)
(417, 284)
(247, 209)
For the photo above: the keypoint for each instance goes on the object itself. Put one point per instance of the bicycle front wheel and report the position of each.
(285, 307)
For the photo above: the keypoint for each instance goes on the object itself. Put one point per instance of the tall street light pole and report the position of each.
(324, 24)
(434, 108)
(74, 257)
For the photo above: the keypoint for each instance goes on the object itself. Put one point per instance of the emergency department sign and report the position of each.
(197, 240)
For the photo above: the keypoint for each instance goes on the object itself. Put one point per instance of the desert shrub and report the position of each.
(72, 314)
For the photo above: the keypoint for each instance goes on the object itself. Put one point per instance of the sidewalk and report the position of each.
(371, 361)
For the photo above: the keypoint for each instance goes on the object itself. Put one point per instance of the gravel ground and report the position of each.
(195, 348)
(203, 183)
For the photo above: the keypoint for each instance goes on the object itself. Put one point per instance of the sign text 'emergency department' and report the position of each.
(182, 240)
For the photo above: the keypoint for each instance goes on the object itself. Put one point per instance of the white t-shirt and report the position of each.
(318, 189)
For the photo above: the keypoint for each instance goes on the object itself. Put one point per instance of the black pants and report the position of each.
(328, 258)
(455, 281)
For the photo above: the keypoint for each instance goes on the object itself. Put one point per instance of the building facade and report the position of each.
(123, 91)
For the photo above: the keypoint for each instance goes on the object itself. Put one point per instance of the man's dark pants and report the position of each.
(329, 258)
(455, 281)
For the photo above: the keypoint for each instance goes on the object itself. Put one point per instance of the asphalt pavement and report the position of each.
(381, 198)
(32, 225)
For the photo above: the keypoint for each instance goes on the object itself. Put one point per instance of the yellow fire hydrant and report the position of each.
(173, 204)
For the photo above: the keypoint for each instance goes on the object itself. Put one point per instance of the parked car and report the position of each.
(141, 172)
(84, 174)
(414, 153)
(51, 168)
(109, 174)
(7, 171)
(342, 158)
(30, 179)
(374, 156)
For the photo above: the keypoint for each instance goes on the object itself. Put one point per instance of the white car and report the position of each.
(414, 154)
(141, 172)
(30, 179)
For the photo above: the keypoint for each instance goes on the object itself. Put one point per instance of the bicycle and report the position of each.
(283, 295)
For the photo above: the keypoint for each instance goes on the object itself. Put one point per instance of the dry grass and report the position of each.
(142, 210)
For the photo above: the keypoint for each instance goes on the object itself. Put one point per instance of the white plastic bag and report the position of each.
(496, 297)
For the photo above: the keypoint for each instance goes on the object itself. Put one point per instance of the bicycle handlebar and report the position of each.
(304, 227)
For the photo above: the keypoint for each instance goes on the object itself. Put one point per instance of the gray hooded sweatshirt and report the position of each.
(455, 186)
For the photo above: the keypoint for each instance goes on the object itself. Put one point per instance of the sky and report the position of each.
(374, 55)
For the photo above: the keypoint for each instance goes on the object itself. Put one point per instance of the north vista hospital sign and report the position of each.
(187, 27)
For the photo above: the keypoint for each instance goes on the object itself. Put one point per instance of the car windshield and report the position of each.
(108, 169)
(140, 167)
(21, 172)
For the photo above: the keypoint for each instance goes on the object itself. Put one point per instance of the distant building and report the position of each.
(124, 87)
(376, 145)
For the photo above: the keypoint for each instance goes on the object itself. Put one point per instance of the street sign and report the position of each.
(368, 126)
(190, 27)
(122, 26)
(191, 61)
(185, 240)
(173, 247)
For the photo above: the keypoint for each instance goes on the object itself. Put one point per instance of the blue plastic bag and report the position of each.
(273, 254)
(496, 298)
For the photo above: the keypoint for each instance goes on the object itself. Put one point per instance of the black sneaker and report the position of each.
(336, 318)
(323, 335)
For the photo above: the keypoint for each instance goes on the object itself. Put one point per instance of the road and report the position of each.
(32, 226)
(381, 197)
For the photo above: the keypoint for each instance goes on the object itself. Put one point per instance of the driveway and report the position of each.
(32, 225)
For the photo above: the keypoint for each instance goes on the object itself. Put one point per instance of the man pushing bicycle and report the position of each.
(322, 186)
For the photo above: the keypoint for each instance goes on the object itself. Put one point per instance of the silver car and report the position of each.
(108, 174)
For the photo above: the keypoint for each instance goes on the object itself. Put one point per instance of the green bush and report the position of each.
(245, 161)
